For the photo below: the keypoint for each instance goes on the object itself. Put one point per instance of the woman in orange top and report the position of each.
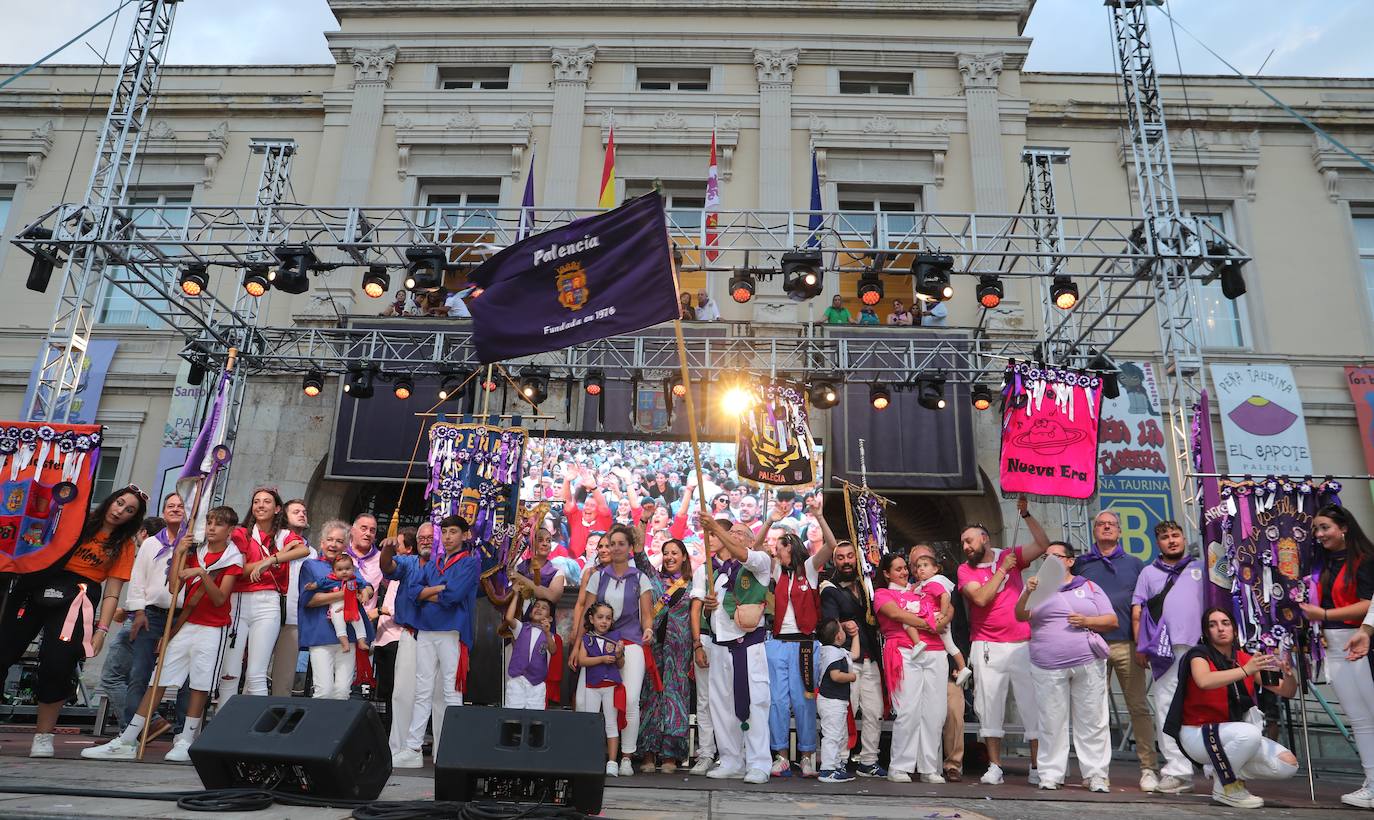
(65, 603)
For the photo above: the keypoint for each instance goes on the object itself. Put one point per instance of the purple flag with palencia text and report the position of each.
(596, 277)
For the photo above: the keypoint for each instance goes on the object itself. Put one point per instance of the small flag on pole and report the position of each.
(712, 203)
(607, 199)
(200, 460)
(813, 223)
(527, 204)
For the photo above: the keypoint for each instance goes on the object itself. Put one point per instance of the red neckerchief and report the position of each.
(350, 598)
(450, 560)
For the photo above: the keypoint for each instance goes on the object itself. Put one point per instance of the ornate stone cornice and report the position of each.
(673, 128)
(34, 148)
(1005, 9)
(980, 71)
(775, 66)
(1332, 163)
(372, 66)
(880, 133)
(162, 140)
(463, 128)
(573, 65)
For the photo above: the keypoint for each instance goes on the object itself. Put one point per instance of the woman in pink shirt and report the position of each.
(915, 673)
(1069, 671)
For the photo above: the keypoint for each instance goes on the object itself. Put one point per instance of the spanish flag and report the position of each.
(607, 199)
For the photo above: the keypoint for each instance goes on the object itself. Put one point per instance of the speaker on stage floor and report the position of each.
(522, 755)
(322, 748)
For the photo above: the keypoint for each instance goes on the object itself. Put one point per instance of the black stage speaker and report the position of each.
(522, 755)
(322, 748)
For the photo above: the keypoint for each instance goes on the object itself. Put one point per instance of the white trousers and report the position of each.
(866, 698)
(602, 699)
(255, 623)
(632, 673)
(832, 714)
(1075, 697)
(740, 750)
(1002, 669)
(706, 734)
(436, 661)
(1355, 690)
(920, 706)
(1162, 691)
(521, 694)
(331, 669)
(1253, 756)
(402, 692)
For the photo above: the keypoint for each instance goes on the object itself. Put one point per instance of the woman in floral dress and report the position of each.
(663, 731)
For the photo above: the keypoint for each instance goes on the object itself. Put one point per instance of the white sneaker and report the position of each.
(1169, 784)
(612, 769)
(1363, 798)
(898, 776)
(702, 766)
(1235, 795)
(993, 776)
(1034, 777)
(932, 778)
(781, 766)
(116, 749)
(965, 675)
(42, 746)
(1047, 785)
(722, 773)
(1149, 781)
(626, 767)
(756, 777)
(1099, 785)
(408, 759)
(180, 752)
(808, 764)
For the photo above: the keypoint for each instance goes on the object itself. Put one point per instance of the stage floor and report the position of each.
(646, 797)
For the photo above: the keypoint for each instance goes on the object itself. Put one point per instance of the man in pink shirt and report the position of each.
(990, 581)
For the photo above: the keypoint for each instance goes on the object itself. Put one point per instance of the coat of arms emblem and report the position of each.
(572, 286)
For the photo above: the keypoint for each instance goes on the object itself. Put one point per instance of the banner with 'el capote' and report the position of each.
(1049, 431)
(595, 277)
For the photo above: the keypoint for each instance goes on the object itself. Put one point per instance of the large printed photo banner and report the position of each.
(474, 471)
(1049, 431)
(594, 277)
(1261, 420)
(46, 476)
(775, 447)
(1133, 477)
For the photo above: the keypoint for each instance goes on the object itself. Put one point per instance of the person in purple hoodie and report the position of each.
(1069, 671)
(529, 657)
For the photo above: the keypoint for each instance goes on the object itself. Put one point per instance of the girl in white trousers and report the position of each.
(253, 630)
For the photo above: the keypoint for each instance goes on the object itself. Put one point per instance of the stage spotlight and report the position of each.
(736, 400)
(313, 384)
(292, 272)
(673, 385)
(801, 274)
(932, 276)
(489, 384)
(534, 385)
(1232, 280)
(255, 280)
(981, 397)
(450, 385)
(196, 375)
(359, 384)
(824, 394)
(990, 291)
(425, 267)
(194, 279)
(742, 286)
(879, 396)
(1064, 292)
(40, 271)
(594, 383)
(930, 392)
(403, 387)
(376, 282)
(870, 288)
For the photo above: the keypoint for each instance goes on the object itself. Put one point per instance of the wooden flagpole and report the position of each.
(691, 409)
(178, 564)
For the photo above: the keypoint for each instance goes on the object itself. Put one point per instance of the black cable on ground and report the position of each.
(227, 800)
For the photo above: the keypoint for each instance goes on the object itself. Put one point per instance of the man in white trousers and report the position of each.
(1168, 597)
(405, 570)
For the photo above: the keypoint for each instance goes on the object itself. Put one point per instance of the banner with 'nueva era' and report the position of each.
(595, 277)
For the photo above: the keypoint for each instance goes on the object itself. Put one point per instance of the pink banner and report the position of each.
(1049, 432)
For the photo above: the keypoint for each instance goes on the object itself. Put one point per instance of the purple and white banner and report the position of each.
(595, 277)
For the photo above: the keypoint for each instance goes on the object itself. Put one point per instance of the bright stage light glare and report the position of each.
(736, 400)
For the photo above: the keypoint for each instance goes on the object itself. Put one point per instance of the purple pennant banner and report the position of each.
(596, 277)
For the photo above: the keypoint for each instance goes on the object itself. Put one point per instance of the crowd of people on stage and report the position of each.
(775, 640)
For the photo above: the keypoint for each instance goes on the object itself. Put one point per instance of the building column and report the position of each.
(571, 68)
(775, 68)
(373, 75)
(981, 73)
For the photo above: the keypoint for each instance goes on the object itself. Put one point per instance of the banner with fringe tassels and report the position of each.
(1050, 421)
